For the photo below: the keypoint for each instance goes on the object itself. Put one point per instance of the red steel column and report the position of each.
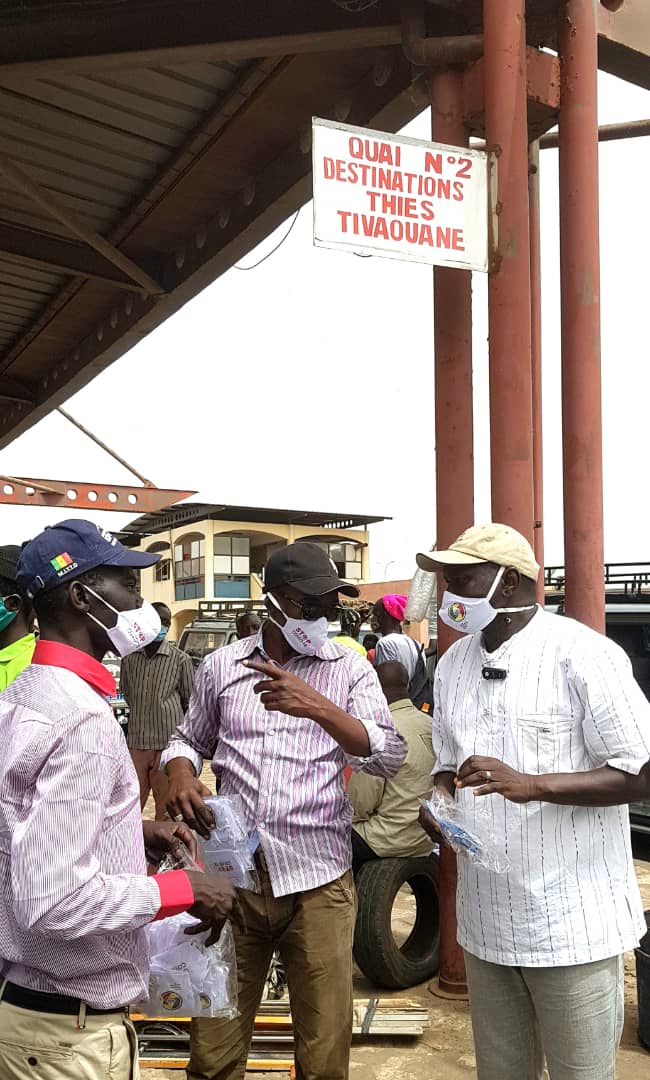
(580, 280)
(452, 301)
(536, 357)
(509, 281)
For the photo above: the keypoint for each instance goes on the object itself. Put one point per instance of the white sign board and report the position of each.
(380, 194)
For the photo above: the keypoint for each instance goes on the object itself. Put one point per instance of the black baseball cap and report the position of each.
(69, 549)
(308, 567)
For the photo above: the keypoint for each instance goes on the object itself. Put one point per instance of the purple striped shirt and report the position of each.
(287, 769)
(74, 896)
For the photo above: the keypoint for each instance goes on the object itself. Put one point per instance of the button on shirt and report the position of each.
(287, 769)
(569, 703)
(157, 690)
(74, 895)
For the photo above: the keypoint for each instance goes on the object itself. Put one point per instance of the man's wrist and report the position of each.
(179, 765)
(539, 787)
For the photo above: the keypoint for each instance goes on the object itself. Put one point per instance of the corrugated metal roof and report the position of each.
(177, 130)
(94, 143)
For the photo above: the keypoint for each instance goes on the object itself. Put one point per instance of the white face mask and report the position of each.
(471, 614)
(304, 636)
(133, 630)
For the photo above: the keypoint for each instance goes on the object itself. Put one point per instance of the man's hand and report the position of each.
(167, 838)
(215, 900)
(489, 776)
(430, 825)
(282, 691)
(185, 797)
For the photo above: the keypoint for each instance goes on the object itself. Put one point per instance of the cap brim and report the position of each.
(134, 560)
(437, 560)
(321, 585)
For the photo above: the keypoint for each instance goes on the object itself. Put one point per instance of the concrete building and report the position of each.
(215, 552)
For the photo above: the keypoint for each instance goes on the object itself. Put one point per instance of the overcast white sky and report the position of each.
(307, 383)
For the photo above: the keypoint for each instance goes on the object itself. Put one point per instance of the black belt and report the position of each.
(38, 1001)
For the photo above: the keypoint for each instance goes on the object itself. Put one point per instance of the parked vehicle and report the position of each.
(627, 622)
(215, 626)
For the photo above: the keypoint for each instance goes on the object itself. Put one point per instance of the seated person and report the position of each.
(385, 821)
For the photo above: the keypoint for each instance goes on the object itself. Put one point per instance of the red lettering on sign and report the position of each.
(465, 167)
(432, 162)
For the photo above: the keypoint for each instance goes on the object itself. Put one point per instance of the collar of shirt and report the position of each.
(11, 652)
(329, 651)
(163, 649)
(402, 703)
(54, 654)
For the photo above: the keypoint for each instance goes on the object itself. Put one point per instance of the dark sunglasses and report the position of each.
(312, 610)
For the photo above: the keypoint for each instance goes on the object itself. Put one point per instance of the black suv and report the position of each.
(627, 622)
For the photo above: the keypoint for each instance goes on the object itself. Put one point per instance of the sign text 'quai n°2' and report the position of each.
(401, 198)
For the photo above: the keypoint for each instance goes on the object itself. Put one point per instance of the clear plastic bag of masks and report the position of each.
(188, 978)
(467, 828)
(229, 850)
(421, 594)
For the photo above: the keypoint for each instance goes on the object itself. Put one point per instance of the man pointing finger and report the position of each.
(280, 715)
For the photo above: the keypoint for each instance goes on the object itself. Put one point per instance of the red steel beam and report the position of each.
(80, 495)
(580, 293)
(452, 301)
(536, 356)
(509, 280)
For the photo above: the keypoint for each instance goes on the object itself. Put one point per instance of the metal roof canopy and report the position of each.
(147, 145)
(190, 513)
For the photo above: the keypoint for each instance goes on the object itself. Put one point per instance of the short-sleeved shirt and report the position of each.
(399, 647)
(157, 690)
(569, 703)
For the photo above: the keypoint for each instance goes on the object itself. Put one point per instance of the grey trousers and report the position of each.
(573, 1016)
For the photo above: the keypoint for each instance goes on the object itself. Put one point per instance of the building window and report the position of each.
(189, 568)
(162, 571)
(232, 561)
(346, 558)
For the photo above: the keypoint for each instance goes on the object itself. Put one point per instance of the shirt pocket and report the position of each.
(545, 742)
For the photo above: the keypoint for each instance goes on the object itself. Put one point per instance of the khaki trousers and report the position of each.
(45, 1046)
(314, 931)
(572, 1016)
(150, 778)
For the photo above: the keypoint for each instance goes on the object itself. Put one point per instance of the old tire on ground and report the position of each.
(375, 950)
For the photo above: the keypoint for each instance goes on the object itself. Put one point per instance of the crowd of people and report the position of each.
(536, 716)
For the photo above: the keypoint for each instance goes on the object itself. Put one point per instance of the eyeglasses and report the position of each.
(312, 610)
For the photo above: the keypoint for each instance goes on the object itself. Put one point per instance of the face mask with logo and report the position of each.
(471, 614)
(133, 630)
(304, 636)
(6, 617)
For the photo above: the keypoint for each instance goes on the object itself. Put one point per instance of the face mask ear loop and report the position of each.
(493, 587)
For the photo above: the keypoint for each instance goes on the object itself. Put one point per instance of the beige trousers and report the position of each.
(314, 931)
(45, 1046)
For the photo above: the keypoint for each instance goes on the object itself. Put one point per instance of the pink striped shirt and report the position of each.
(74, 895)
(287, 769)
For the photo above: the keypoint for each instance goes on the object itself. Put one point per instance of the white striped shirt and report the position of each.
(287, 769)
(74, 895)
(569, 703)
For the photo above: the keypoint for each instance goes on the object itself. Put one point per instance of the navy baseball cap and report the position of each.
(69, 549)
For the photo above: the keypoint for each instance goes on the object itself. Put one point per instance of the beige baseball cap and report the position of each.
(492, 543)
